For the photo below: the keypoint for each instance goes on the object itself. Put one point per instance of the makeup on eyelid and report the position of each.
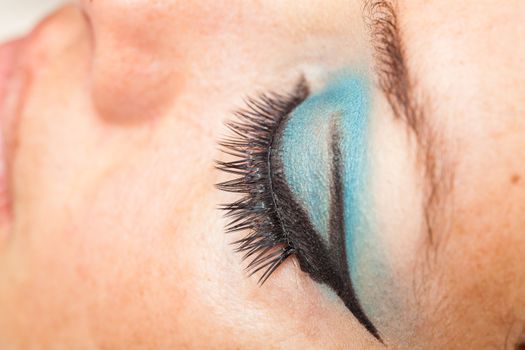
(323, 151)
(307, 157)
(302, 165)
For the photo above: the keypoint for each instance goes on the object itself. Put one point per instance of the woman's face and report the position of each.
(110, 233)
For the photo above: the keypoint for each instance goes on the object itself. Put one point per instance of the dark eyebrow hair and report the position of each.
(408, 104)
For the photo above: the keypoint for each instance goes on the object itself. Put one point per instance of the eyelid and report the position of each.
(335, 120)
(278, 224)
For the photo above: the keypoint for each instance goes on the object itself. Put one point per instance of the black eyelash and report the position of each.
(266, 243)
(274, 224)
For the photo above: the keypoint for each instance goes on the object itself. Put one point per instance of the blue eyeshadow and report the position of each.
(304, 170)
(307, 160)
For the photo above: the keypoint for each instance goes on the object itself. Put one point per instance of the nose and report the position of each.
(136, 61)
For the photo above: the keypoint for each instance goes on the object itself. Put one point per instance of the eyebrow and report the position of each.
(397, 84)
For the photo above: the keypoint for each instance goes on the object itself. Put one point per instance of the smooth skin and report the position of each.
(113, 239)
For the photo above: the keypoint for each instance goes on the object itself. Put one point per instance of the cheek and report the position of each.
(124, 250)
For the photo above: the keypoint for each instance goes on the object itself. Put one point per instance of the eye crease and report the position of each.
(301, 166)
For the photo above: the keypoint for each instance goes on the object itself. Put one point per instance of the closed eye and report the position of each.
(299, 168)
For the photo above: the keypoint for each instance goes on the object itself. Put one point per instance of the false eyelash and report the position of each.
(266, 243)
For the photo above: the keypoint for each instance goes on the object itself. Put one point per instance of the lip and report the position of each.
(9, 94)
(8, 55)
(19, 60)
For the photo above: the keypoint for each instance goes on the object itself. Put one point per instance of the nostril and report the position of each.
(521, 343)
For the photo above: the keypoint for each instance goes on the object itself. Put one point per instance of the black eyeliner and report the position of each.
(337, 236)
(273, 222)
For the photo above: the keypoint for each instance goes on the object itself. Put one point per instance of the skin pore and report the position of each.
(113, 237)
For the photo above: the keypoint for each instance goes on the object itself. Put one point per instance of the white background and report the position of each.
(17, 17)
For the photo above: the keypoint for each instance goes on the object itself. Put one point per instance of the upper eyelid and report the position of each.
(286, 219)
